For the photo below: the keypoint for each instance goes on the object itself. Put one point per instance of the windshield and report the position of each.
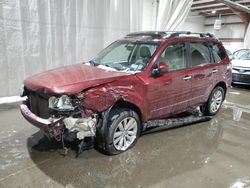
(245, 56)
(126, 55)
(239, 53)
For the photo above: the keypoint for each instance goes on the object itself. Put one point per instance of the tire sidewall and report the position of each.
(116, 116)
(208, 109)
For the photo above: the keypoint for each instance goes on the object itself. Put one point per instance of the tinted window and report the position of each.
(199, 54)
(218, 52)
(174, 56)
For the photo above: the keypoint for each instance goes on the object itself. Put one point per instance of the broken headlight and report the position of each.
(61, 103)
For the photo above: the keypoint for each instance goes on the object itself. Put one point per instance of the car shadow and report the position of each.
(241, 86)
(171, 152)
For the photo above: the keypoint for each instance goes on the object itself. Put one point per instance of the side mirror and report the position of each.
(161, 69)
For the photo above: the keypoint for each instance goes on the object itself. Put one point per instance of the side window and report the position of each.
(174, 56)
(141, 55)
(218, 52)
(145, 51)
(152, 48)
(199, 54)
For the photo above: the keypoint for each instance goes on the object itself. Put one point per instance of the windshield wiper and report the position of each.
(110, 66)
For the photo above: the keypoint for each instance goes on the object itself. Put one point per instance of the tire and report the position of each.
(214, 102)
(118, 140)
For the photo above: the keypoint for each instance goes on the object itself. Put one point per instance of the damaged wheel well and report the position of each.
(124, 104)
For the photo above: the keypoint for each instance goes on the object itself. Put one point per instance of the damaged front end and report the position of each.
(63, 118)
(75, 117)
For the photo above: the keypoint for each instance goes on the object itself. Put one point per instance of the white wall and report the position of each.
(149, 15)
(194, 23)
(228, 31)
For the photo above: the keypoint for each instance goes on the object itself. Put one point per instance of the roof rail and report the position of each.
(167, 34)
(178, 34)
(151, 34)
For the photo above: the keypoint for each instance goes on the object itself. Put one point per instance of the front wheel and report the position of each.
(123, 130)
(214, 102)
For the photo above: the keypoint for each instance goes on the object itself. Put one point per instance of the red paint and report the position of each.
(155, 97)
(70, 79)
(43, 124)
(130, 89)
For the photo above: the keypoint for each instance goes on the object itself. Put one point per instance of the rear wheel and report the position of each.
(214, 102)
(123, 130)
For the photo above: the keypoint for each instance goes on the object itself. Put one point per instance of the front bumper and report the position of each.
(44, 124)
(241, 78)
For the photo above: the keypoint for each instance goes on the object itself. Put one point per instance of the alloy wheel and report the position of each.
(216, 101)
(125, 133)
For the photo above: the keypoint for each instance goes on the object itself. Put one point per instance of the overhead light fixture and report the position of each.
(214, 11)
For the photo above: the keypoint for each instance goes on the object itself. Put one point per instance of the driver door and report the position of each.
(170, 93)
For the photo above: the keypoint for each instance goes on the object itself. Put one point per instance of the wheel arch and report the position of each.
(223, 85)
(129, 105)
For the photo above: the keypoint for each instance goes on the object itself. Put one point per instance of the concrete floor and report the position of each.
(209, 154)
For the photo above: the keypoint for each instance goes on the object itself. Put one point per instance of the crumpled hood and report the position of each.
(241, 63)
(71, 79)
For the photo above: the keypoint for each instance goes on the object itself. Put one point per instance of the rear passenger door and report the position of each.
(200, 60)
(218, 68)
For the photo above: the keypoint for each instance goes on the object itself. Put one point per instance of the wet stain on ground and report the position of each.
(207, 154)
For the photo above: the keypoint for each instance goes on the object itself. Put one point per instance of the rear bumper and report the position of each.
(44, 124)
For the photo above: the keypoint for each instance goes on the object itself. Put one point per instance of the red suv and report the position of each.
(143, 77)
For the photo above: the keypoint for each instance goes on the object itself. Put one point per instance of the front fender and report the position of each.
(101, 98)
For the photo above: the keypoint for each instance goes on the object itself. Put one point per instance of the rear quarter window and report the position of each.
(217, 51)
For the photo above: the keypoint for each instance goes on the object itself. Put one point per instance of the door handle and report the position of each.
(187, 77)
(214, 70)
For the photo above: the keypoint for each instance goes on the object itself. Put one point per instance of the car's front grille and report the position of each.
(38, 105)
(241, 70)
